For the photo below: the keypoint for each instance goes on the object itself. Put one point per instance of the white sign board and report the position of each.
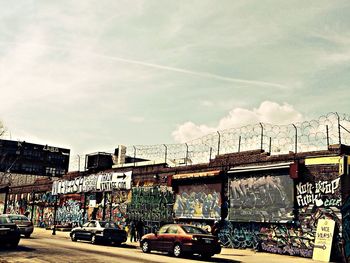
(93, 183)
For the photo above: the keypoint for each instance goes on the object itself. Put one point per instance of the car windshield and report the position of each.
(194, 230)
(18, 218)
(108, 224)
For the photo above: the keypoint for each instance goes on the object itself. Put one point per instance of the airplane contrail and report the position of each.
(163, 67)
(196, 73)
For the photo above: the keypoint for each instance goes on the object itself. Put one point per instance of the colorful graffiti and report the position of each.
(320, 193)
(2, 202)
(261, 198)
(346, 228)
(151, 204)
(198, 201)
(70, 213)
(319, 197)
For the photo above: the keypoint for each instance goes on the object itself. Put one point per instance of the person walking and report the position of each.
(132, 231)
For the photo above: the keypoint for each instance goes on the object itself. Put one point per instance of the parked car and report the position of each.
(9, 233)
(25, 226)
(181, 239)
(99, 231)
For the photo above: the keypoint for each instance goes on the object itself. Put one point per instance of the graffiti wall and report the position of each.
(198, 201)
(43, 209)
(346, 228)
(116, 209)
(2, 202)
(318, 196)
(151, 204)
(70, 211)
(18, 203)
(261, 197)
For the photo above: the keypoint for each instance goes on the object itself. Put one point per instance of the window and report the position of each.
(193, 230)
(92, 224)
(172, 230)
(163, 229)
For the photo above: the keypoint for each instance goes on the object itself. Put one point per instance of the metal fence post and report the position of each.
(296, 138)
(239, 143)
(219, 142)
(262, 136)
(134, 155)
(339, 135)
(166, 152)
(327, 136)
(186, 153)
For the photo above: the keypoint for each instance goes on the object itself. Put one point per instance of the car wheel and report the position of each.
(73, 237)
(93, 239)
(145, 247)
(27, 235)
(177, 250)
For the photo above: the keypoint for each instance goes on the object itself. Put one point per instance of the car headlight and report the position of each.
(194, 238)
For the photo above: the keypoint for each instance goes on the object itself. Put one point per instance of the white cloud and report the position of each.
(267, 112)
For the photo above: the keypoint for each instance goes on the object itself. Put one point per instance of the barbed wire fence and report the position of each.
(319, 134)
(329, 129)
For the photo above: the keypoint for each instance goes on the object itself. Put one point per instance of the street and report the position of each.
(43, 247)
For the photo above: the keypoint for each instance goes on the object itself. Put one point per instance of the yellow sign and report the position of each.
(323, 241)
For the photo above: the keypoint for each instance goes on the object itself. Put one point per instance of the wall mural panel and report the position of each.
(151, 204)
(70, 212)
(263, 197)
(2, 202)
(198, 201)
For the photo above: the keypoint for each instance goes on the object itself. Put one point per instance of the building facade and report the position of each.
(251, 199)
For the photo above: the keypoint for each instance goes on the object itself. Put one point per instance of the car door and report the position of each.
(158, 242)
(169, 237)
(79, 231)
(90, 230)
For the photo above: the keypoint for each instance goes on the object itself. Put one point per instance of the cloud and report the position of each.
(267, 112)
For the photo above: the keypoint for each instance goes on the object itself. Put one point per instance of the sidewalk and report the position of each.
(229, 254)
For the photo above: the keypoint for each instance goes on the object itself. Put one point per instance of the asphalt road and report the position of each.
(46, 248)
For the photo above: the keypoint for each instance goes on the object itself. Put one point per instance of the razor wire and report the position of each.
(313, 135)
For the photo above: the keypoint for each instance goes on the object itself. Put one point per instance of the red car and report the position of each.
(181, 239)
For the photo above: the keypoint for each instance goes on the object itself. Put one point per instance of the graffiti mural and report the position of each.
(18, 203)
(116, 209)
(264, 197)
(2, 202)
(198, 201)
(70, 213)
(320, 193)
(151, 204)
(346, 228)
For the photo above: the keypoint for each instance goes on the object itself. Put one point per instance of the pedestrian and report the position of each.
(139, 228)
(132, 231)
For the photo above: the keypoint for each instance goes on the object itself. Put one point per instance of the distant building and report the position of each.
(27, 158)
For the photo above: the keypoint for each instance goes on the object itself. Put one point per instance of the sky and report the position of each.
(90, 75)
